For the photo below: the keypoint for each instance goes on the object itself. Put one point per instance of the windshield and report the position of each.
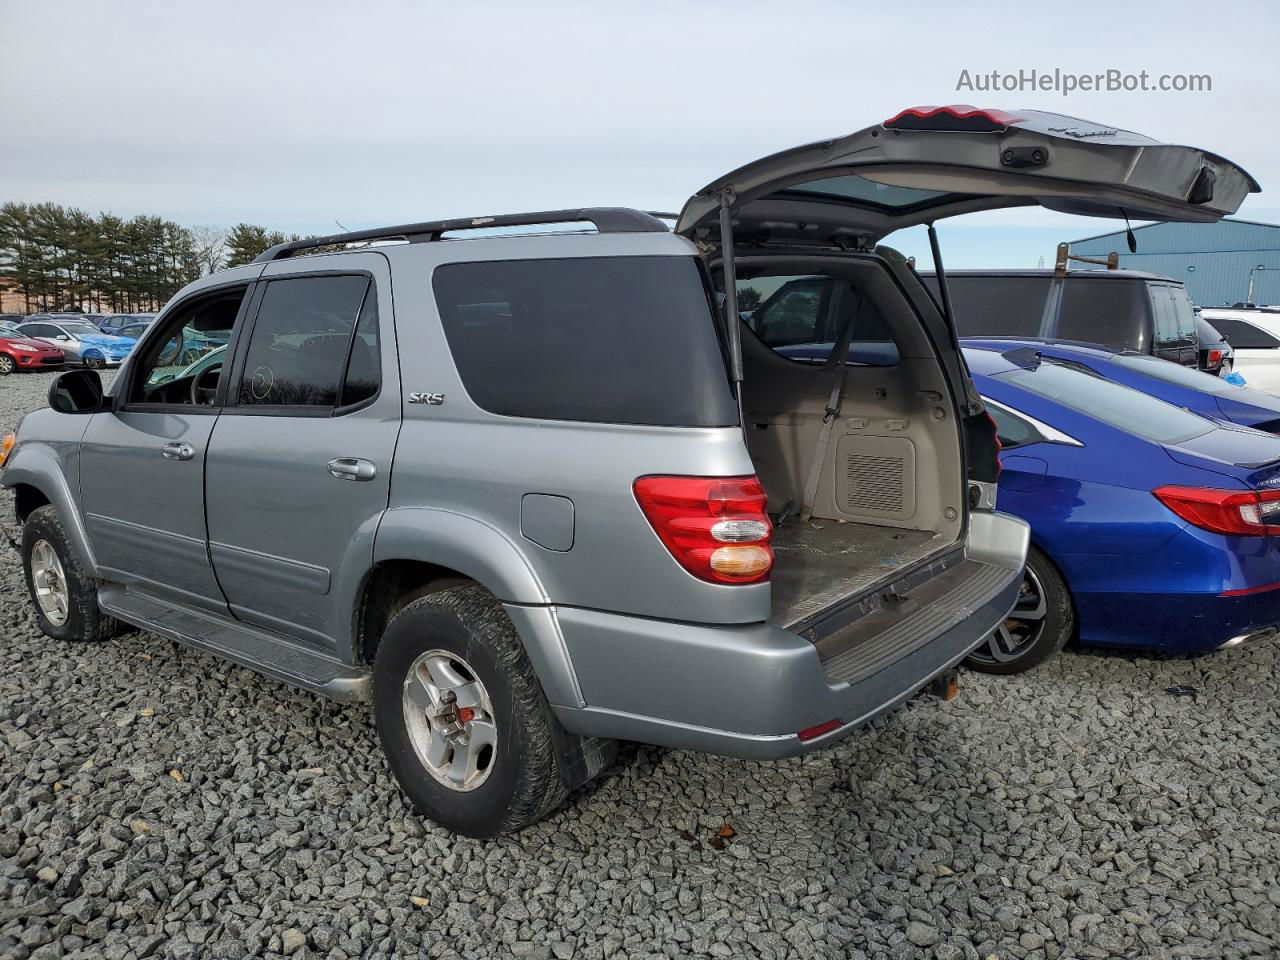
(1118, 406)
(1174, 373)
(80, 329)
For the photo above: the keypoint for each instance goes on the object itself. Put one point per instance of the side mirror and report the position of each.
(62, 336)
(76, 391)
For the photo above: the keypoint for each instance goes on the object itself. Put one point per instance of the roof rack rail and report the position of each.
(606, 220)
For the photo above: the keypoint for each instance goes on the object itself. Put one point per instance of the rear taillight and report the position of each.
(715, 527)
(5, 446)
(1215, 359)
(1244, 513)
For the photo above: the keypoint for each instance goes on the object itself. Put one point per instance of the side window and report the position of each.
(1184, 314)
(793, 314)
(190, 347)
(1012, 431)
(1244, 336)
(803, 318)
(1166, 317)
(363, 378)
(298, 349)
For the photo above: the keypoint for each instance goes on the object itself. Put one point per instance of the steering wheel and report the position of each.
(204, 385)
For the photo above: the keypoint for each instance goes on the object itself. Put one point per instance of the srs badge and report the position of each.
(434, 399)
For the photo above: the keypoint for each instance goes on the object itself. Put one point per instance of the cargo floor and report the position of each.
(821, 561)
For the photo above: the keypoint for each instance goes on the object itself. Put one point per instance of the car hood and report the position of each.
(1238, 452)
(29, 342)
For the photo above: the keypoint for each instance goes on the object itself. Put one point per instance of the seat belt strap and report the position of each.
(840, 356)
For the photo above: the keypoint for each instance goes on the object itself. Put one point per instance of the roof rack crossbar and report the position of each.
(605, 219)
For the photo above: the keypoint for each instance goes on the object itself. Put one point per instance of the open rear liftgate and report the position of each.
(947, 684)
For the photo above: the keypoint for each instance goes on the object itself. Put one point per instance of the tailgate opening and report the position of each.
(884, 496)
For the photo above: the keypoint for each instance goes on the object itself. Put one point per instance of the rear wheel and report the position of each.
(1039, 625)
(463, 720)
(6, 364)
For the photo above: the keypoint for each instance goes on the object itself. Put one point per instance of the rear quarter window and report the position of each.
(596, 339)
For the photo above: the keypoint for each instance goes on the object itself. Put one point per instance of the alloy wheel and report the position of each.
(50, 583)
(1021, 628)
(6, 365)
(450, 720)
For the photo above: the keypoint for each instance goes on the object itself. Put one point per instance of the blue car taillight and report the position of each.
(1242, 513)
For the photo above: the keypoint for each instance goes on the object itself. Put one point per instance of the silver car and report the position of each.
(533, 494)
(79, 340)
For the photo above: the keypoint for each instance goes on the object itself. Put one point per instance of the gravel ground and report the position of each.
(155, 801)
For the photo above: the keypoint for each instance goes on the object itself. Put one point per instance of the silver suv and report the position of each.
(533, 494)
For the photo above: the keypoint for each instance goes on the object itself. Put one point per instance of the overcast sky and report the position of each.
(299, 114)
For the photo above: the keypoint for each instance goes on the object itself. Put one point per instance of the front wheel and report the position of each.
(95, 361)
(6, 365)
(463, 720)
(66, 600)
(1038, 626)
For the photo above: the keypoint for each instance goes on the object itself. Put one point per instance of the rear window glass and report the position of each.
(994, 306)
(1110, 312)
(1176, 373)
(1118, 406)
(598, 339)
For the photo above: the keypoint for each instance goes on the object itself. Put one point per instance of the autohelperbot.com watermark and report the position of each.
(1066, 82)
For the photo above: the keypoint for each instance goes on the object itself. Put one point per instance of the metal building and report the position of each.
(1219, 262)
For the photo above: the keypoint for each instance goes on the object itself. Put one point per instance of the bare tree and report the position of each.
(210, 247)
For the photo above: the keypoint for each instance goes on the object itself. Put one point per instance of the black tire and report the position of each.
(6, 365)
(1023, 643)
(84, 621)
(535, 763)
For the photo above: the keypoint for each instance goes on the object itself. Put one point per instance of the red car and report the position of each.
(23, 353)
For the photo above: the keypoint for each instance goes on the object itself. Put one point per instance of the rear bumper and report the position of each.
(1175, 623)
(748, 690)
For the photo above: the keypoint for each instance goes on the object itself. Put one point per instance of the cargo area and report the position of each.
(886, 492)
(821, 562)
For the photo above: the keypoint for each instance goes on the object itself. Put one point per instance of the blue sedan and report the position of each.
(1152, 526)
(1199, 392)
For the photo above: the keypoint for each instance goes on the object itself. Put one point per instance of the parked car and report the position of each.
(23, 353)
(1254, 335)
(1151, 526)
(133, 331)
(113, 323)
(8, 328)
(548, 497)
(1217, 356)
(81, 342)
(1198, 392)
(1126, 309)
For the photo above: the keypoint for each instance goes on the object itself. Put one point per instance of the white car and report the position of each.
(1254, 335)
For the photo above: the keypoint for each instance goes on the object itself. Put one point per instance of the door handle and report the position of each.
(178, 450)
(349, 468)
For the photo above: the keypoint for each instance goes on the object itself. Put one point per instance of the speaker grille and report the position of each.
(873, 484)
